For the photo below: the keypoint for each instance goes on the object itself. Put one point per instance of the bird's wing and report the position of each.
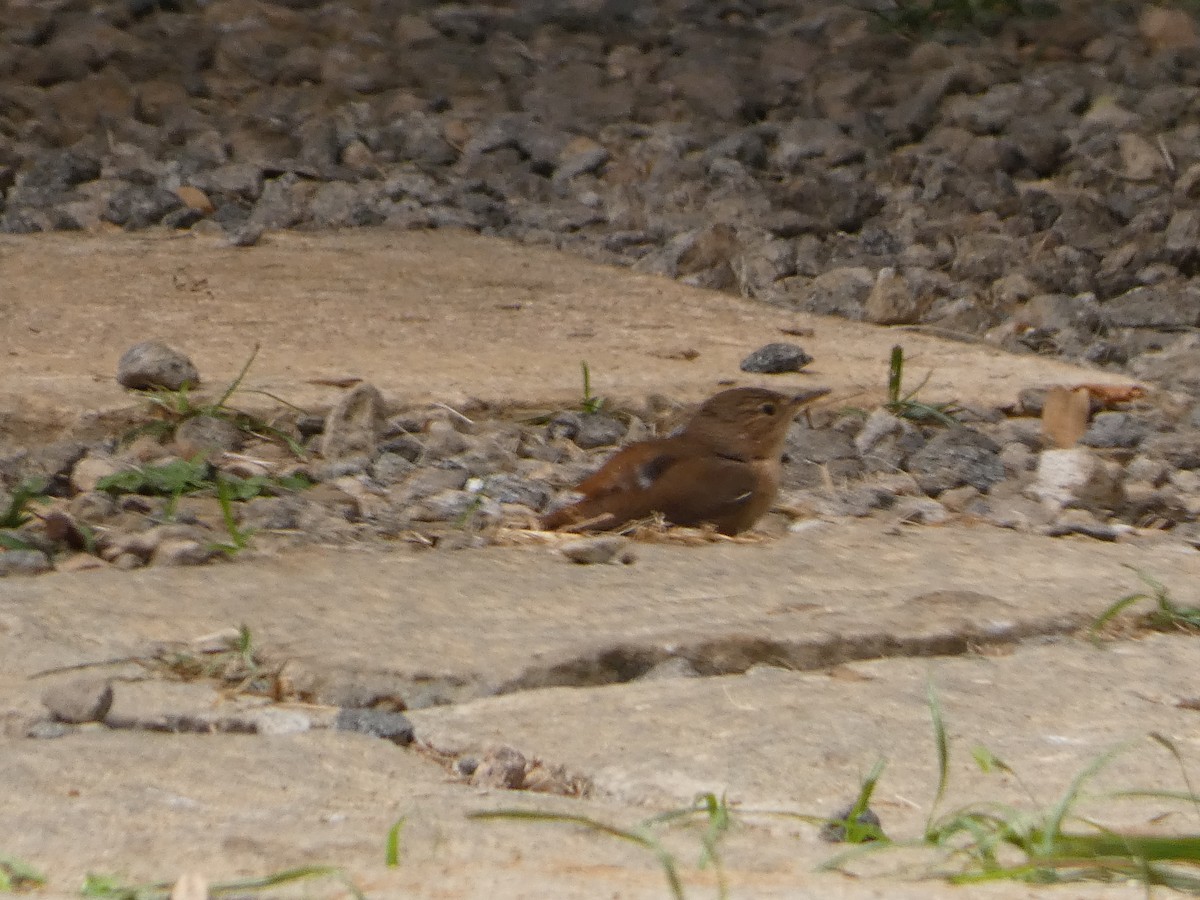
(635, 468)
(695, 490)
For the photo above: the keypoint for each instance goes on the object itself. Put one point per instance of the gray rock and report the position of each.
(841, 291)
(282, 204)
(597, 550)
(1158, 306)
(587, 430)
(442, 440)
(513, 489)
(24, 562)
(834, 830)
(183, 552)
(887, 441)
(581, 162)
(205, 434)
(151, 364)
(46, 729)
(1180, 450)
(670, 668)
(892, 300)
(1017, 458)
(466, 507)
(79, 700)
(425, 482)
(502, 767)
(391, 468)
(1077, 477)
(139, 206)
(391, 726)
(776, 358)
(274, 721)
(813, 455)
(57, 170)
(1115, 430)
(957, 457)
(243, 180)
(339, 205)
(1080, 522)
(920, 511)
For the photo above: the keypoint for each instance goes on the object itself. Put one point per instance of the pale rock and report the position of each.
(89, 470)
(892, 300)
(1076, 477)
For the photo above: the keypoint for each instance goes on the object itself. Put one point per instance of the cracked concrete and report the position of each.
(821, 642)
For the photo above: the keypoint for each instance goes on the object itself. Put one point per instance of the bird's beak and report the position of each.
(808, 396)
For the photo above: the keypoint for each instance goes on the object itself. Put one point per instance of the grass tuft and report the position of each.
(391, 855)
(108, 887)
(906, 405)
(18, 875)
(710, 810)
(589, 403)
(1166, 615)
(176, 407)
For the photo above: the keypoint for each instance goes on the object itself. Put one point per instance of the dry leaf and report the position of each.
(1109, 395)
(1065, 416)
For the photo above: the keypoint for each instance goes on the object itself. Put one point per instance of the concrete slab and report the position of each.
(433, 627)
(453, 317)
(425, 316)
(774, 738)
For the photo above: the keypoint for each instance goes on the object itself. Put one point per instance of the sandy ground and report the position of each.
(424, 316)
(829, 637)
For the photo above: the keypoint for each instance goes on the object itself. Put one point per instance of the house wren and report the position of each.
(722, 468)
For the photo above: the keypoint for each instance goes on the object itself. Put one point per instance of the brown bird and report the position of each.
(722, 468)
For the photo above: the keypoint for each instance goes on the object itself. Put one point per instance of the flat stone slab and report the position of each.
(779, 740)
(425, 316)
(802, 741)
(150, 806)
(844, 608)
(432, 627)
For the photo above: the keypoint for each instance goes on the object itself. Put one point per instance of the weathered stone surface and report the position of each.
(1076, 476)
(78, 700)
(152, 364)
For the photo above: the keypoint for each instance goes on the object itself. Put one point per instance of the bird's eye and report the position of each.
(767, 409)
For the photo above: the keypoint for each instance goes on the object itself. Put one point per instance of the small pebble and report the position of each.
(503, 767)
(391, 726)
(775, 359)
(46, 729)
(24, 562)
(597, 550)
(79, 700)
(152, 364)
(834, 830)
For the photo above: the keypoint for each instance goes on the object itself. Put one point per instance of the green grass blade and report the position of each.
(236, 383)
(1115, 610)
(719, 822)
(1059, 812)
(16, 874)
(942, 743)
(895, 374)
(391, 855)
(109, 888)
(670, 870)
(1165, 742)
